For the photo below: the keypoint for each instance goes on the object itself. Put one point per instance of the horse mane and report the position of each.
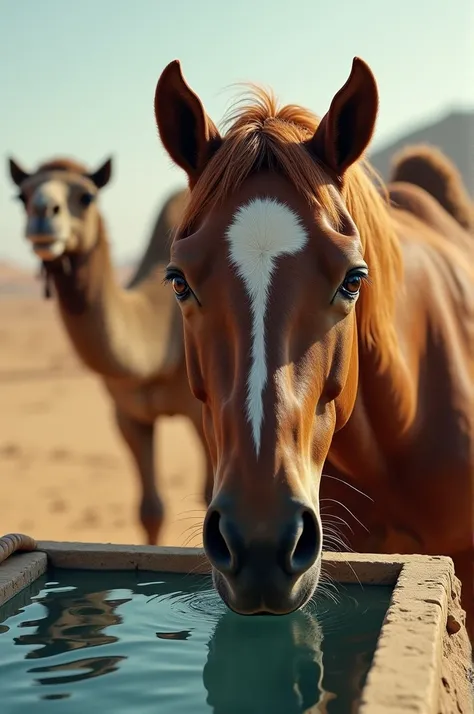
(262, 135)
(428, 167)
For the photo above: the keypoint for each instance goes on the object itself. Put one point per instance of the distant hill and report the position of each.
(454, 135)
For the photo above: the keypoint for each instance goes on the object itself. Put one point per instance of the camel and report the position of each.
(429, 168)
(131, 337)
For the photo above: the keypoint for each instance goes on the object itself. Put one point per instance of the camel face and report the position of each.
(48, 225)
(60, 200)
(61, 215)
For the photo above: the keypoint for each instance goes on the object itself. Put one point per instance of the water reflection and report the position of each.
(254, 664)
(93, 666)
(265, 664)
(73, 621)
(15, 605)
(182, 635)
(76, 617)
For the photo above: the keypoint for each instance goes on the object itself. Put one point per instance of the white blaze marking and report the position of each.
(261, 230)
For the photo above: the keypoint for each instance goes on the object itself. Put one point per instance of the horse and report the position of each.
(329, 336)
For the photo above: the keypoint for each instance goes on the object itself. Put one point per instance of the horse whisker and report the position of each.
(335, 478)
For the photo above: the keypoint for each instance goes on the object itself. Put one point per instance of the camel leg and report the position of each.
(139, 437)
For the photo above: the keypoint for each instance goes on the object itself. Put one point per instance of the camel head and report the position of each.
(60, 200)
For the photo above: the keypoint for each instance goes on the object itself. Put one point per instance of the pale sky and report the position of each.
(78, 79)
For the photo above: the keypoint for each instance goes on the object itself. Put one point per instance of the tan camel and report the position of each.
(430, 168)
(133, 337)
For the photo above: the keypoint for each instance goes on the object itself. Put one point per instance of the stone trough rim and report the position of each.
(413, 628)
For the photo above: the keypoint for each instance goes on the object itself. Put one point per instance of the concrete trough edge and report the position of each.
(19, 571)
(406, 668)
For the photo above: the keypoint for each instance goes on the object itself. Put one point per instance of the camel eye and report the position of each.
(86, 199)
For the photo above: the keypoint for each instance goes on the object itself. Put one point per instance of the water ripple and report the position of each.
(170, 644)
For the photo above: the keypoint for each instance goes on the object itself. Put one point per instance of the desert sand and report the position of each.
(65, 473)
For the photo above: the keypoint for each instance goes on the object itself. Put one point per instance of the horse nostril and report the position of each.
(306, 550)
(215, 544)
(56, 209)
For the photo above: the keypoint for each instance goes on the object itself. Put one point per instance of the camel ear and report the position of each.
(345, 131)
(102, 176)
(17, 174)
(187, 133)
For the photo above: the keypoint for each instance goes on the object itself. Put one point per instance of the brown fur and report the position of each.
(428, 167)
(62, 164)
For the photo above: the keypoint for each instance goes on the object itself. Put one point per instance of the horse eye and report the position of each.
(180, 287)
(352, 284)
(86, 199)
(350, 288)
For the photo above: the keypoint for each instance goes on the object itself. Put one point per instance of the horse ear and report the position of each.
(187, 133)
(16, 172)
(346, 130)
(102, 176)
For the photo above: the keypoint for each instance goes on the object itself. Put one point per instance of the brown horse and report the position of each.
(325, 332)
(132, 338)
(429, 168)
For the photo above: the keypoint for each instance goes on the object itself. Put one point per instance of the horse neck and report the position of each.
(88, 296)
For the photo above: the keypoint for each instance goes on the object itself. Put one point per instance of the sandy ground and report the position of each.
(65, 474)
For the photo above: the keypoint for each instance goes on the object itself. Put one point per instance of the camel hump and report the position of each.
(158, 248)
(429, 168)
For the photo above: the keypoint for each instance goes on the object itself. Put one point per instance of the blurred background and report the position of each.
(78, 80)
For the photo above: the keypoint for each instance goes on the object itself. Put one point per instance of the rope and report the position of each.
(44, 276)
(13, 542)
